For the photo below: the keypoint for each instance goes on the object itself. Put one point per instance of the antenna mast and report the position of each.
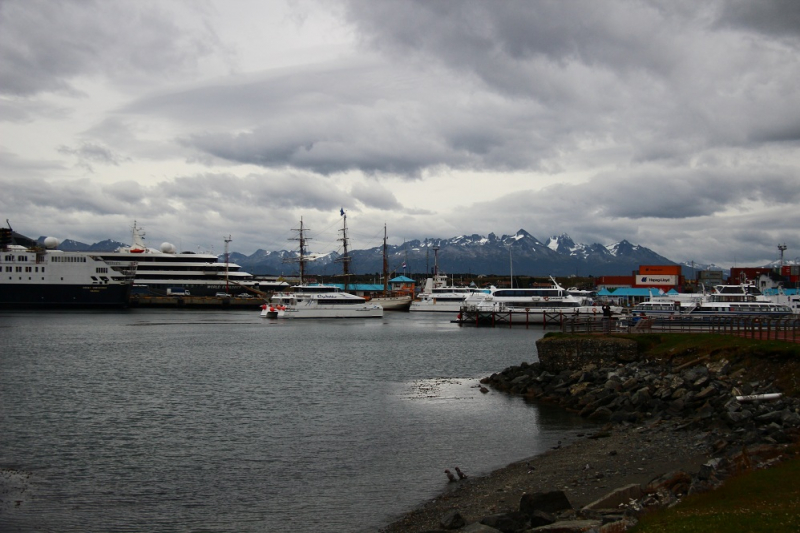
(782, 248)
(228, 239)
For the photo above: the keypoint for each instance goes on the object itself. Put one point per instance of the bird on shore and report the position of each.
(557, 446)
(450, 476)
(461, 475)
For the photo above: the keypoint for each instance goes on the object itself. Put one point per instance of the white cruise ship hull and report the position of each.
(37, 278)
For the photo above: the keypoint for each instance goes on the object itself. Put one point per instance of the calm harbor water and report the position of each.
(154, 420)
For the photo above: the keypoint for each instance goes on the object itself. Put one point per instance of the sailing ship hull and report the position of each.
(392, 303)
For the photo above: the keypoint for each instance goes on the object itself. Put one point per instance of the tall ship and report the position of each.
(391, 300)
(165, 270)
(320, 301)
(41, 276)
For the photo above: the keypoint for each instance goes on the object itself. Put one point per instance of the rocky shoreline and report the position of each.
(672, 428)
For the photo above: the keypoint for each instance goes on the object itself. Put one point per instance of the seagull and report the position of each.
(450, 476)
(461, 475)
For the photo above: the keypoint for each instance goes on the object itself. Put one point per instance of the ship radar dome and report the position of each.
(51, 243)
(168, 248)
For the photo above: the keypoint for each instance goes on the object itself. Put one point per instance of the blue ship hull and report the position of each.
(19, 296)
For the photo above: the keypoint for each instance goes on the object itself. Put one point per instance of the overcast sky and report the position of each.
(672, 124)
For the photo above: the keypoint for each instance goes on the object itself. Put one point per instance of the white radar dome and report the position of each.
(51, 243)
(168, 248)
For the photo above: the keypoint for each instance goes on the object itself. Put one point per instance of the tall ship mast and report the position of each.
(301, 237)
(385, 265)
(345, 258)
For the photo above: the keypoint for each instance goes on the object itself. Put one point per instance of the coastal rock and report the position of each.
(477, 527)
(549, 502)
(507, 522)
(452, 520)
(570, 526)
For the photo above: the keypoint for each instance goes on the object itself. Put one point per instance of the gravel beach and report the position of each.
(585, 470)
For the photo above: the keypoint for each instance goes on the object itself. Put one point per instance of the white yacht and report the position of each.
(669, 304)
(438, 296)
(531, 305)
(319, 301)
(743, 299)
(200, 274)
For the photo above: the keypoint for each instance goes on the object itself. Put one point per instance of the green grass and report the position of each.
(758, 501)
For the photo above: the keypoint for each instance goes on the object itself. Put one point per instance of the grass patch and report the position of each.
(763, 500)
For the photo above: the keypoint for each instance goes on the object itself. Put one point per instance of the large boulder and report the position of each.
(549, 502)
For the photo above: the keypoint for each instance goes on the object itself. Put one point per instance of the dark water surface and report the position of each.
(151, 420)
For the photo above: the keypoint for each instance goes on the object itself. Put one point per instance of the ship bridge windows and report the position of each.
(9, 258)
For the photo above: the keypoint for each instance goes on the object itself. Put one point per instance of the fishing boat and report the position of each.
(36, 276)
(438, 295)
(533, 304)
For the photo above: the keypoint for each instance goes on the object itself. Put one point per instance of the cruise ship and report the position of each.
(36, 276)
(200, 274)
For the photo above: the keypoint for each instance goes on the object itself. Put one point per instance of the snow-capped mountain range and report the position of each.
(521, 253)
